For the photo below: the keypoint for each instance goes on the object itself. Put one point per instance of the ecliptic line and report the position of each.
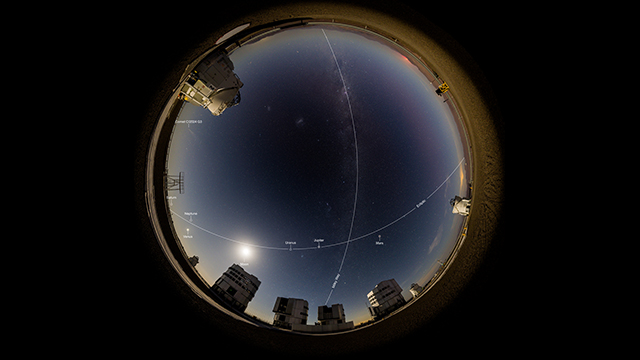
(323, 246)
(230, 239)
(445, 180)
(401, 217)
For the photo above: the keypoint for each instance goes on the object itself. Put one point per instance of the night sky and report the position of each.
(281, 167)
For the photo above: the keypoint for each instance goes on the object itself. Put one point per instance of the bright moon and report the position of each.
(245, 251)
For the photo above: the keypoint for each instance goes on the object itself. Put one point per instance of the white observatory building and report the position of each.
(460, 206)
(330, 319)
(236, 287)
(290, 311)
(213, 84)
(385, 298)
(415, 289)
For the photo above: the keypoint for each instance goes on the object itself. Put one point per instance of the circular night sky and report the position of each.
(285, 166)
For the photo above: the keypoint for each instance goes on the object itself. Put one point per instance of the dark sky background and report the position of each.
(281, 167)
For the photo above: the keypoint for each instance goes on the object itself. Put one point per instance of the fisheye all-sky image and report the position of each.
(333, 172)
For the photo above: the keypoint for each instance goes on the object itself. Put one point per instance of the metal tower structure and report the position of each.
(175, 182)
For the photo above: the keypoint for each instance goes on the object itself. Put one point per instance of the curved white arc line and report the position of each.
(227, 238)
(355, 141)
(323, 246)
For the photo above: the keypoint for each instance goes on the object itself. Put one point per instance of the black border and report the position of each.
(161, 305)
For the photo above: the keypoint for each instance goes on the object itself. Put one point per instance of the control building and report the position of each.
(290, 311)
(213, 84)
(460, 206)
(236, 287)
(385, 298)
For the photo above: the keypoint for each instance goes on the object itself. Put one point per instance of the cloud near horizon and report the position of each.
(436, 240)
